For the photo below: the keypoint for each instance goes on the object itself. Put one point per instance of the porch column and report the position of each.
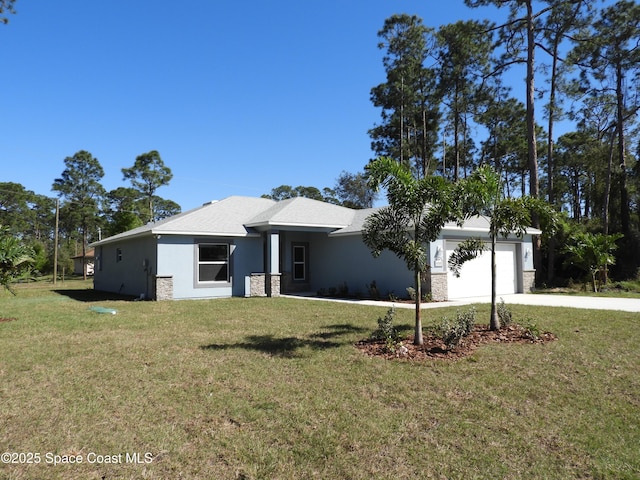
(273, 263)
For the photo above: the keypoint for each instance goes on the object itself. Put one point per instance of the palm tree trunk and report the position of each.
(417, 339)
(494, 322)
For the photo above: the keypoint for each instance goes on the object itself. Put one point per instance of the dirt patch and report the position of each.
(434, 347)
(7, 319)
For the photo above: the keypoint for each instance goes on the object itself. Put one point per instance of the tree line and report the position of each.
(85, 211)
(351, 190)
(446, 109)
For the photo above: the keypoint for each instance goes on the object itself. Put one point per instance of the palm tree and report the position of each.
(482, 194)
(418, 210)
(593, 253)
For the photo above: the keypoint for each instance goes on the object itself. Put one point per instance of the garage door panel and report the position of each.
(475, 275)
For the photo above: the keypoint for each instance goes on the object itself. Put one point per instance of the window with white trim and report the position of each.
(299, 262)
(213, 262)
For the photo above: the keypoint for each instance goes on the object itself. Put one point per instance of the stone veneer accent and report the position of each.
(528, 281)
(274, 285)
(257, 284)
(439, 287)
(164, 287)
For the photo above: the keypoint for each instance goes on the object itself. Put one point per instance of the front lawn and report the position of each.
(274, 388)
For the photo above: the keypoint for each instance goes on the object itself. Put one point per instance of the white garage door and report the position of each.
(475, 275)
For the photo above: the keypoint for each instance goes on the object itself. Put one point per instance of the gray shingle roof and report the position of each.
(301, 211)
(474, 224)
(357, 222)
(226, 217)
(243, 216)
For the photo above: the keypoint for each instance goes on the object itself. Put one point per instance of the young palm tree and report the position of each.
(418, 210)
(593, 253)
(482, 195)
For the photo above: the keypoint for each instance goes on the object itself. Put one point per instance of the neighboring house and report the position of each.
(243, 246)
(88, 263)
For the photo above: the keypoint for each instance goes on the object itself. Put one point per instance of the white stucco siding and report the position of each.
(247, 259)
(527, 252)
(126, 267)
(178, 258)
(335, 260)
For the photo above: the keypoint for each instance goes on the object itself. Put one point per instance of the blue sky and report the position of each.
(238, 96)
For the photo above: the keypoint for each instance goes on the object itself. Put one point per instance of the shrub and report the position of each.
(451, 332)
(386, 331)
(373, 291)
(426, 296)
(504, 313)
(531, 330)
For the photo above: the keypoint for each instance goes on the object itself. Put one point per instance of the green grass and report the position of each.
(273, 388)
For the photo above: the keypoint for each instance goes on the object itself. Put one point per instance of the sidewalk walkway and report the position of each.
(572, 301)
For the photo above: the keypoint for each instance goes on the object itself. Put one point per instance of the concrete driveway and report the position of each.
(572, 301)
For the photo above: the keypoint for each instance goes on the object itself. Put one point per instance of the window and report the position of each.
(118, 254)
(213, 262)
(299, 262)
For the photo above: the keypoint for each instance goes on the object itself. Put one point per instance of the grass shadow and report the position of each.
(406, 327)
(91, 295)
(289, 347)
(337, 330)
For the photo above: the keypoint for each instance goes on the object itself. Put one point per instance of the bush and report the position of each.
(426, 296)
(372, 290)
(531, 330)
(504, 313)
(451, 332)
(386, 331)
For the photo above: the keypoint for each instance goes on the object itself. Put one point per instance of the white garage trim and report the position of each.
(475, 275)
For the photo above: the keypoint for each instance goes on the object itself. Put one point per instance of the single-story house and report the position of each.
(244, 246)
(87, 260)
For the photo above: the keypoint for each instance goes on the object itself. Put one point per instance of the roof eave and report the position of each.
(160, 233)
(209, 234)
(318, 226)
(528, 231)
(118, 238)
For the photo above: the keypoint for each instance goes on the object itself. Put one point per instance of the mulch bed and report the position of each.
(434, 348)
